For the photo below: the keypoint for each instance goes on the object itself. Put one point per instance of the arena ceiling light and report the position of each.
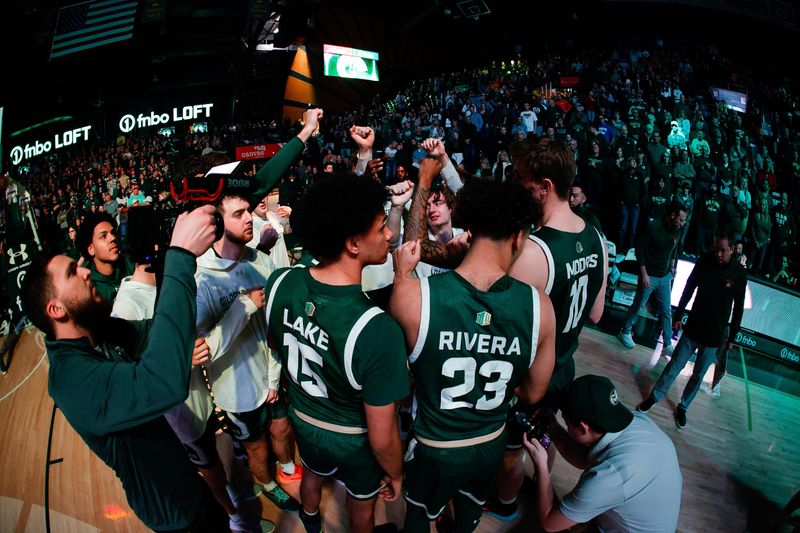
(265, 41)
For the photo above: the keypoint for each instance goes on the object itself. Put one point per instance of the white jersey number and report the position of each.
(298, 358)
(577, 294)
(497, 388)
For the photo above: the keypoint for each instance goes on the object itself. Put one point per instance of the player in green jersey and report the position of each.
(567, 258)
(343, 358)
(476, 336)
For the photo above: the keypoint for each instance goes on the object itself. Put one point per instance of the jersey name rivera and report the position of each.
(448, 340)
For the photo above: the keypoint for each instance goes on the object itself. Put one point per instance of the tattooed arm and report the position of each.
(443, 255)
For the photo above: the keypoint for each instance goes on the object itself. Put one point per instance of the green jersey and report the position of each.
(473, 349)
(576, 271)
(107, 286)
(306, 259)
(338, 350)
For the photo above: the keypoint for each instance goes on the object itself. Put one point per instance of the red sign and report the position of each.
(257, 151)
(569, 81)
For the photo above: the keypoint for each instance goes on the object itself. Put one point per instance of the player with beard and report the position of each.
(97, 242)
(113, 379)
(243, 373)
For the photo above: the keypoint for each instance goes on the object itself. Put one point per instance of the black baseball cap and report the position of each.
(594, 400)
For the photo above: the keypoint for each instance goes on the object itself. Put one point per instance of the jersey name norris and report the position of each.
(481, 343)
(580, 264)
(307, 330)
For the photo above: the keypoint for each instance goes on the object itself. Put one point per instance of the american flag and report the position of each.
(93, 24)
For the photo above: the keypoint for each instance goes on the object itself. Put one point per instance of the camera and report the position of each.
(149, 232)
(228, 178)
(535, 427)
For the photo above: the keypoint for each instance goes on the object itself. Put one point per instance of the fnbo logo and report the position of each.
(789, 355)
(745, 340)
(17, 155)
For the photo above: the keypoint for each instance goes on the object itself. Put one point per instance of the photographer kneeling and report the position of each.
(631, 480)
(113, 379)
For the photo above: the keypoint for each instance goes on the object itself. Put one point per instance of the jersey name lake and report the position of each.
(307, 330)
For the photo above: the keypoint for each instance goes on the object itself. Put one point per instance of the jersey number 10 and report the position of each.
(577, 303)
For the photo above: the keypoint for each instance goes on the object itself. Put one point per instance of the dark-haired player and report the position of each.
(475, 335)
(343, 358)
(97, 242)
(565, 257)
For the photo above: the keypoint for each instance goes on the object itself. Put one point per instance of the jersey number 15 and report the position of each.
(297, 360)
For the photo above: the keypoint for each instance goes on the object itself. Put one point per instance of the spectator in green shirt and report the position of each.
(98, 243)
(655, 254)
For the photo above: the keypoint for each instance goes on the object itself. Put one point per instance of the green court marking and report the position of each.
(746, 391)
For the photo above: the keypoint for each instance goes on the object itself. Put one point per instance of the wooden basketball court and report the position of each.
(734, 478)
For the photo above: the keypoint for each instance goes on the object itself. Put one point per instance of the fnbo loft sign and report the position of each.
(145, 120)
(20, 153)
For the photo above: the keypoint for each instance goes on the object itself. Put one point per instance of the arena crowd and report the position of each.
(643, 127)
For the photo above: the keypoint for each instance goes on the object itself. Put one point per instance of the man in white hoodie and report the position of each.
(243, 373)
(193, 421)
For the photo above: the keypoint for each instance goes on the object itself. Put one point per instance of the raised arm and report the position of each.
(270, 174)
(136, 392)
(364, 137)
(440, 254)
(400, 195)
(450, 175)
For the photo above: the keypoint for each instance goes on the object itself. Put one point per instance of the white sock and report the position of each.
(508, 502)
(315, 513)
(288, 468)
(270, 486)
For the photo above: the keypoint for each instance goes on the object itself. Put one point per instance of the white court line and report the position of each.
(20, 384)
